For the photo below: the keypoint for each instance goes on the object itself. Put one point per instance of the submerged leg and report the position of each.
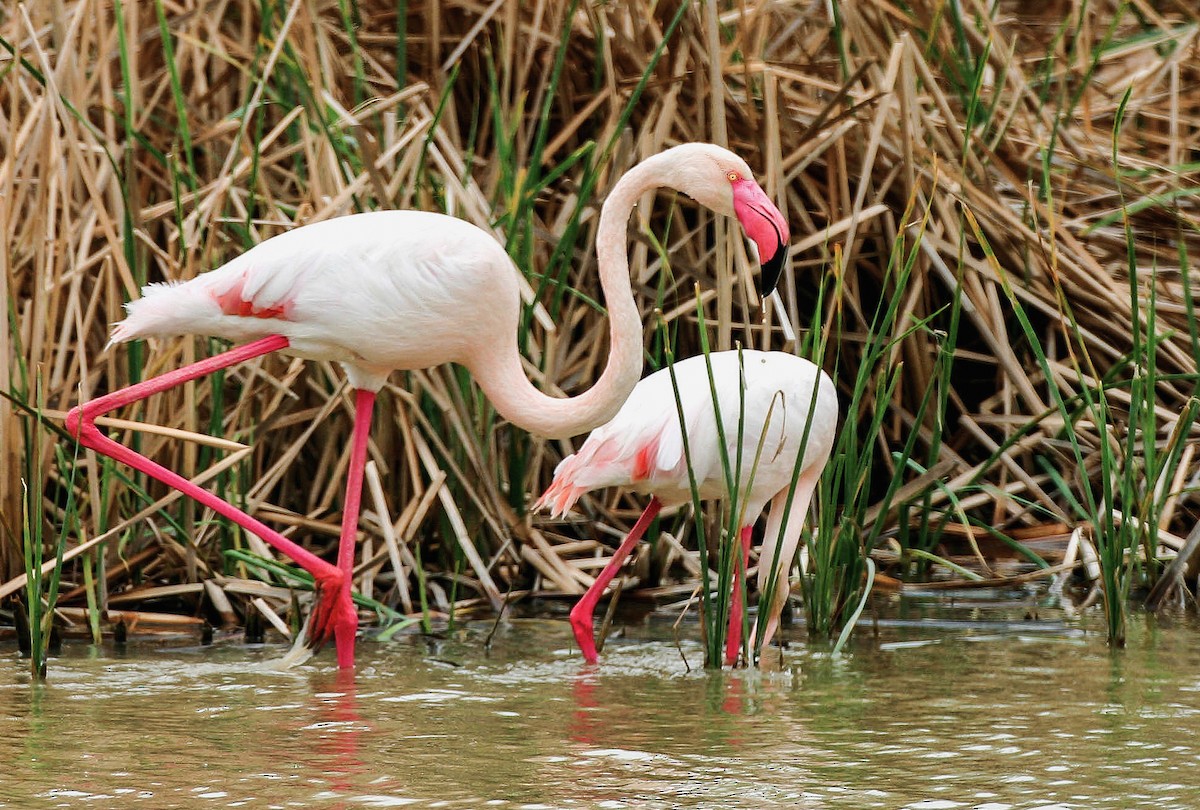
(345, 630)
(81, 422)
(733, 639)
(581, 614)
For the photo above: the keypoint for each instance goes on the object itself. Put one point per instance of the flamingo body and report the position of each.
(380, 291)
(642, 449)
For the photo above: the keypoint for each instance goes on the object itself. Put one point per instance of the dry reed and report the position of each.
(127, 157)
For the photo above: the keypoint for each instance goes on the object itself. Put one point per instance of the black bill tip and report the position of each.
(771, 269)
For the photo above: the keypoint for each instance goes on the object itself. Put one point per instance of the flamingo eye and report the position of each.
(733, 176)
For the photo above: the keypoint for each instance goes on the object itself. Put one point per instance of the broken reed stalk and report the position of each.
(205, 134)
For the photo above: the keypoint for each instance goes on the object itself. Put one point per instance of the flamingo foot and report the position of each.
(333, 616)
(585, 637)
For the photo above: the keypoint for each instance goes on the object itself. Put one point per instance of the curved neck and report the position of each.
(499, 372)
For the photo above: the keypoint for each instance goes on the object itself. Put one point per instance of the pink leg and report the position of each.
(344, 632)
(328, 579)
(733, 640)
(581, 614)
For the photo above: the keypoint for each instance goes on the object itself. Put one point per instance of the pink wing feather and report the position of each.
(606, 459)
(642, 447)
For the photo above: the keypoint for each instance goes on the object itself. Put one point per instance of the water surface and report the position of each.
(972, 705)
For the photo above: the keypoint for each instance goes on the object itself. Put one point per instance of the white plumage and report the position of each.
(642, 448)
(377, 291)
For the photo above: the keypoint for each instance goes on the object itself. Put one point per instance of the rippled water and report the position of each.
(935, 707)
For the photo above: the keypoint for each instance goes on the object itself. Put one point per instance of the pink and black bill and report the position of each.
(771, 268)
(765, 226)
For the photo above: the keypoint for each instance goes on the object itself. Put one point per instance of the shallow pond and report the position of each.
(936, 705)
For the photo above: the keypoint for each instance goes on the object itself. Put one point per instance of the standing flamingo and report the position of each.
(392, 290)
(642, 448)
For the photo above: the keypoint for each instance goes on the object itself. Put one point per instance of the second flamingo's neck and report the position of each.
(501, 376)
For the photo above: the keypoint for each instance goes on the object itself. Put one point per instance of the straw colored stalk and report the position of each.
(123, 160)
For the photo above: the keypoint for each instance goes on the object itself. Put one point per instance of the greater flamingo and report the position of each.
(394, 290)
(642, 448)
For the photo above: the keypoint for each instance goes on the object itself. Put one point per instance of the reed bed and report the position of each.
(993, 208)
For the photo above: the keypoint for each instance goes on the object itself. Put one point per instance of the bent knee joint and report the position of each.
(80, 424)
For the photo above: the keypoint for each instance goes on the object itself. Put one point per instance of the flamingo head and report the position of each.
(718, 179)
(764, 224)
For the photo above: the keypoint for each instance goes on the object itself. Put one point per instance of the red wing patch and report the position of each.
(232, 303)
(643, 462)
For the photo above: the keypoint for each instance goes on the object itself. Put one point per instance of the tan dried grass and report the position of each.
(842, 126)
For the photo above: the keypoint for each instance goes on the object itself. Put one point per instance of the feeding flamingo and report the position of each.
(642, 448)
(395, 290)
